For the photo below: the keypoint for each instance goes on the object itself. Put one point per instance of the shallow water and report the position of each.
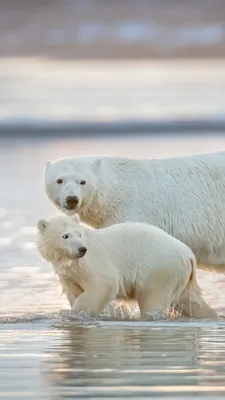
(112, 361)
(48, 353)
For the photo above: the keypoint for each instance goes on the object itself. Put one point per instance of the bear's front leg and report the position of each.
(94, 300)
(71, 290)
(71, 298)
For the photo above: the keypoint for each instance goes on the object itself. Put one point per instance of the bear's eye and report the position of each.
(59, 181)
(65, 237)
(82, 182)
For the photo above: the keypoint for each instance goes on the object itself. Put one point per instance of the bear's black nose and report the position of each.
(72, 202)
(82, 251)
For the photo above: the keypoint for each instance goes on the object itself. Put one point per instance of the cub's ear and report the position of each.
(42, 225)
(76, 218)
(97, 163)
(47, 166)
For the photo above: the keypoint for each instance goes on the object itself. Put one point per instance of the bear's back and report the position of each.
(134, 243)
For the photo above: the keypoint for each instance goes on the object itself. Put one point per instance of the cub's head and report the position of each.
(71, 183)
(59, 240)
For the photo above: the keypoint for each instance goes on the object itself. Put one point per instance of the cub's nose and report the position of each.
(72, 202)
(82, 251)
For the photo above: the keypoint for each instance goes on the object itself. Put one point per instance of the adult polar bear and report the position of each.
(184, 196)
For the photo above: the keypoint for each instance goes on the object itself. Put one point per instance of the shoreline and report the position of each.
(127, 127)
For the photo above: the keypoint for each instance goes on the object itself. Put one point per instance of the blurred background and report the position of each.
(101, 66)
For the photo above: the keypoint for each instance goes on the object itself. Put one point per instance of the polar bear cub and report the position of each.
(126, 261)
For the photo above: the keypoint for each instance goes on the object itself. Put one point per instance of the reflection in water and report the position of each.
(127, 361)
(112, 361)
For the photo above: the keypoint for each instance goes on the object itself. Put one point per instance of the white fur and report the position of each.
(184, 196)
(124, 261)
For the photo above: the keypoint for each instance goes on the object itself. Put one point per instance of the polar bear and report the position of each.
(183, 196)
(125, 261)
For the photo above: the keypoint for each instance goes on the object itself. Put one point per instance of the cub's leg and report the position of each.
(94, 300)
(191, 303)
(71, 290)
(157, 296)
(164, 286)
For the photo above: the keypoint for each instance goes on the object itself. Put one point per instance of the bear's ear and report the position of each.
(42, 225)
(97, 163)
(76, 218)
(47, 166)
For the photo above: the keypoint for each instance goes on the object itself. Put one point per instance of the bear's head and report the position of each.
(72, 183)
(59, 240)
